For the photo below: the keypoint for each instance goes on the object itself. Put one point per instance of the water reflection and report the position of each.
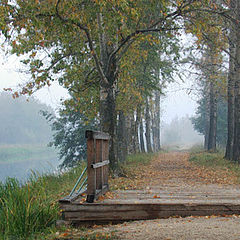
(22, 170)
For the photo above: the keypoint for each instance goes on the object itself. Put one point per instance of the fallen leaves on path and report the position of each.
(171, 168)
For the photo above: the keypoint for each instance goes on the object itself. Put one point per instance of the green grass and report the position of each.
(19, 153)
(133, 161)
(214, 160)
(196, 149)
(32, 208)
(140, 158)
(30, 211)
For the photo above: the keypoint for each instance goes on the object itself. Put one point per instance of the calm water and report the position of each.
(22, 170)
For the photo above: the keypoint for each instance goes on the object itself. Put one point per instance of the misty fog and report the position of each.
(24, 136)
(180, 134)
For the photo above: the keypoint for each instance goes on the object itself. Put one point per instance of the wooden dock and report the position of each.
(141, 205)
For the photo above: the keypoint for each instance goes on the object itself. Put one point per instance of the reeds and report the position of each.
(24, 210)
(31, 208)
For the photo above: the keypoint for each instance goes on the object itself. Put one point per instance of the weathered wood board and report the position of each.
(132, 211)
(155, 203)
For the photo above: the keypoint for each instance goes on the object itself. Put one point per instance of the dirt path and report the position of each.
(190, 228)
(175, 169)
(173, 173)
(171, 177)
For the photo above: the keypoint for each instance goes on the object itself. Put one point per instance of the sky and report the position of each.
(176, 102)
(10, 77)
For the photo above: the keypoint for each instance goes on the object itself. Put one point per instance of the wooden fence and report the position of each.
(97, 164)
(94, 178)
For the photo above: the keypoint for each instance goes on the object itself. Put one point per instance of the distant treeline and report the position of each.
(21, 121)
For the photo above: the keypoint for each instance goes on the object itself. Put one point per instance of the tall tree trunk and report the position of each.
(230, 116)
(141, 134)
(133, 123)
(121, 138)
(108, 94)
(136, 127)
(157, 120)
(108, 122)
(148, 128)
(129, 134)
(206, 114)
(206, 130)
(213, 118)
(236, 143)
(154, 126)
(236, 140)
(231, 83)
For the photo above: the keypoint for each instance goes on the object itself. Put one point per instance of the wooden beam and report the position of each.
(124, 212)
(100, 164)
(97, 135)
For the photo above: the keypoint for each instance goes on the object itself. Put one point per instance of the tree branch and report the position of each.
(90, 42)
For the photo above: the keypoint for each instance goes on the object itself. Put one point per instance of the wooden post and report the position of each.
(97, 164)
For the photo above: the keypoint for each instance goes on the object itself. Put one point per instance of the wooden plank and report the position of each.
(91, 182)
(141, 214)
(153, 207)
(115, 212)
(98, 160)
(105, 157)
(100, 164)
(96, 135)
(97, 170)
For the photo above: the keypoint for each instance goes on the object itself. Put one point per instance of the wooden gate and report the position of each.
(97, 164)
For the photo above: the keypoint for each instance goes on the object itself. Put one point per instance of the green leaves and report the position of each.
(80, 43)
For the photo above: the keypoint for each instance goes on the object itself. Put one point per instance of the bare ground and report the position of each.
(214, 228)
(171, 177)
(172, 173)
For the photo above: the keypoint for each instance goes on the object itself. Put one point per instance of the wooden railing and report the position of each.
(94, 178)
(97, 164)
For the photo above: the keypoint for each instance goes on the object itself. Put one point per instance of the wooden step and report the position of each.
(78, 213)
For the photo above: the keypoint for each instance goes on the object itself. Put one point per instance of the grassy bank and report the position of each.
(25, 152)
(214, 160)
(30, 209)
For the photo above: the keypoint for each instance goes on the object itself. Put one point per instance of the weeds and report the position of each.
(128, 167)
(25, 209)
(32, 208)
(215, 160)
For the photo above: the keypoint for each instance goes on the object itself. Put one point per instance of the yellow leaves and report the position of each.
(15, 95)
(101, 198)
(33, 54)
(179, 3)
(14, 43)
(42, 43)
(78, 233)
(64, 234)
(7, 89)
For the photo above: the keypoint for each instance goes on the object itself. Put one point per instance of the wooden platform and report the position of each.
(152, 204)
